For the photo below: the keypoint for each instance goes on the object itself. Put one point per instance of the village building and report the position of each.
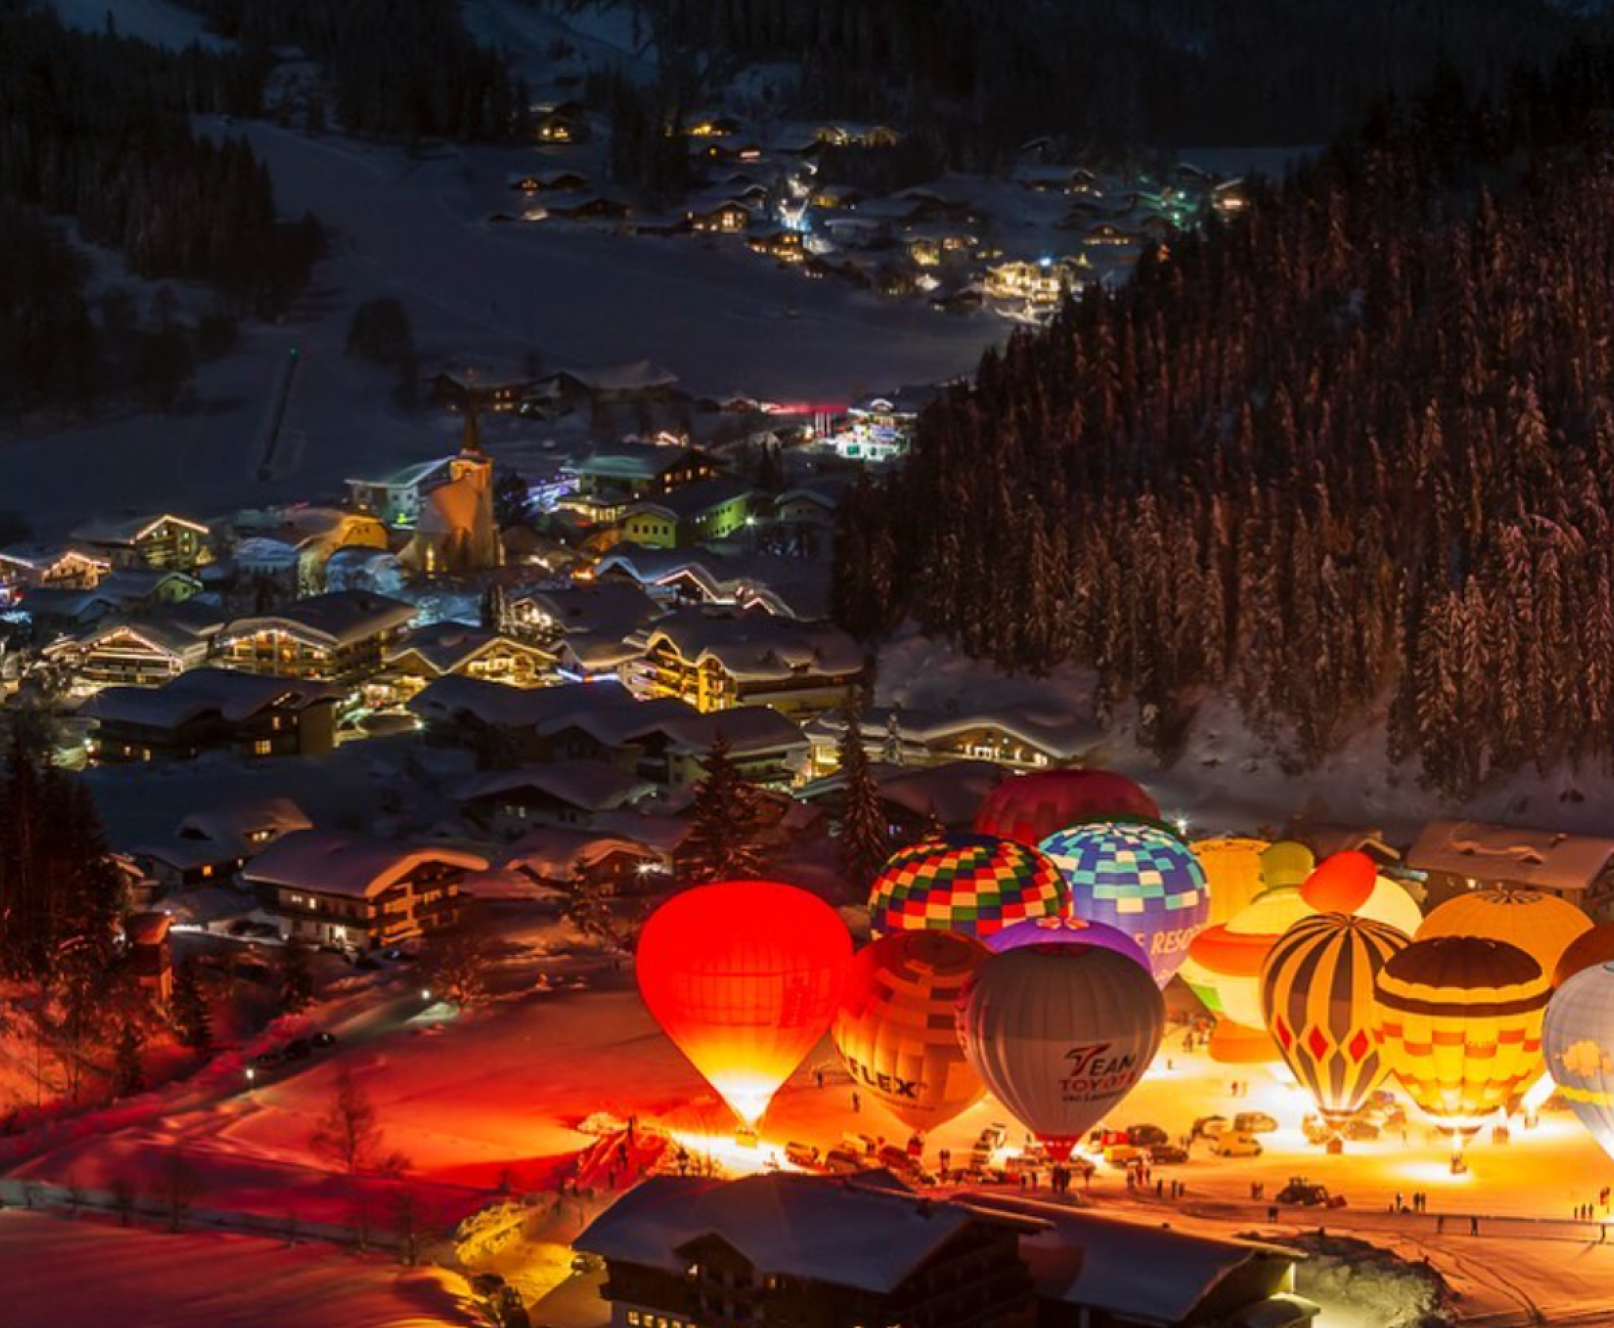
(586, 624)
(291, 547)
(710, 509)
(508, 803)
(442, 648)
(351, 892)
(561, 123)
(144, 652)
(783, 244)
(150, 957)
(613, 476)
(340, 637)
(455, 531)
(782, 1250)
(204, 710)
(26, 567)
(721, 216)
(1043, 282)
(718, 660)
(398, 497)
(553, 857)
(914, 800)
(152, 540)
(1457, 856)
(789, 587)
(880, 428)
(209, 847)
(1018, 737)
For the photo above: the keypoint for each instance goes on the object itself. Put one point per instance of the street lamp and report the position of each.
(425, 993)
(252, 1075)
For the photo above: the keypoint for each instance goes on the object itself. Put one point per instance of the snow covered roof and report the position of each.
(332, 862)
(795, 587)
(688, 501)
(234, 696)
(339, 618)
(841, 1232)
(226, 832)
(138, 583)
(553, 852)
(629, 461)
(166, 634)
(606, 711)
(606, 608)
(635, 376)
(747, 730)
(1061, 736)
(147, 928)
(1143, 1274)
(445, 646)
(951, 791)
(125, 530)
(1544, 859)
(756, 646)
(588, 785)
(40, 557)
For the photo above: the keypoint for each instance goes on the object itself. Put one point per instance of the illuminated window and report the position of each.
(262, 747)
(633, 1318)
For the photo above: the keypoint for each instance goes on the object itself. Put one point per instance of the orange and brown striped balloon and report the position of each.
(1458, 1020)
(1317, 991)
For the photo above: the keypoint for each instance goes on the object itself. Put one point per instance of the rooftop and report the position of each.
(335, 619)
(234, 696)
(1544, 859)
(331, 862)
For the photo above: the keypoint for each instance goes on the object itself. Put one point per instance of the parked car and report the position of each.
(1146, 1136)
(1122, 1155)
(803, 1155)
(843, 1161)
(1236, 1143)
(1254, 1122)
(1165, 1155)
(1208, 1127)
(322, 1039)
(298, 1049)
(267, 1060)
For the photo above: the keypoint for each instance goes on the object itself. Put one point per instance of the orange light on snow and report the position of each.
(744, 977)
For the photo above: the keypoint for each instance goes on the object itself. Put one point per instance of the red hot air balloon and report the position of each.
(744, 977)
(1060, 1034)
(1029, 808)
(1341, 882)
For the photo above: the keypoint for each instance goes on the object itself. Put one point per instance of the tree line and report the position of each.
(1347, 459)
(1109, 75)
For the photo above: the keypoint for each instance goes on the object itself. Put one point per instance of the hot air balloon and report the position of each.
(1578, 1038)
(1285, 863)
(1029, 808)
(1541, 925)
(1062, 931)
(1233, 953)
(1317, 990)
(1341, 882)
(1232, 869)
(744, 977)
(895, 1028)
(1060, 1034)
(972, 884)
(1137, 877)
(1458, 1021)
(1590, 947)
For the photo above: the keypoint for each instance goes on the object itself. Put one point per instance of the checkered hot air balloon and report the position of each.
(972, 884)
(1458, 1021)
(1317, 990)
(1138, 877)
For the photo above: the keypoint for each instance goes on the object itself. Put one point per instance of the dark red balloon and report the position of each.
(1029, 808)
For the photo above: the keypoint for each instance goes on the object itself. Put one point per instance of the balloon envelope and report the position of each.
(1061, 1034)
(1317, 989)
(1232, 869)
(1458, 1020)
(1341, 882)
(1578, 1038)
(1590, 947)
(1063, 931)
(1232, 954)
(1030, 807)
(1139, 878)
(1286, 863)
(744, 977)
(1541, 925)
(971, 884)
(896, 1028)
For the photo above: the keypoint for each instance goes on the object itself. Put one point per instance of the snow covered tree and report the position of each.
(865, 841)
(193, 1020)
(724, 840)
(457, 959)
(599, 913)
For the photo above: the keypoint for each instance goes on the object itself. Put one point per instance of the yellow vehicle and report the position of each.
(1236, 1143)
(1122, 1155)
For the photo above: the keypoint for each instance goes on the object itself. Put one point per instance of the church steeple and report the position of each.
(471, 437)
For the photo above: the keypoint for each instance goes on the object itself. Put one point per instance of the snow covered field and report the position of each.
(59, 1271)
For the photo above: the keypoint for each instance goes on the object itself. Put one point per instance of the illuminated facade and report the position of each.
(163, 541)
(341, 638)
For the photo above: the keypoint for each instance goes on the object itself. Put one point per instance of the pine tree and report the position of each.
(188, 1004)
(296, 977)
(865, 837)
(128, 1070)
(723, 842)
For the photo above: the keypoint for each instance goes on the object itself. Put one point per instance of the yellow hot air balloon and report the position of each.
(1287, 863)
(1541, 925)
(1233, 953)
(1317, 990)
(1233, 867)
(895, 1028)
(1458, 1020)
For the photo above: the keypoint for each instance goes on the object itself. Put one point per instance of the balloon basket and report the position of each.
(1335, 1146)
(1459, 1164)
